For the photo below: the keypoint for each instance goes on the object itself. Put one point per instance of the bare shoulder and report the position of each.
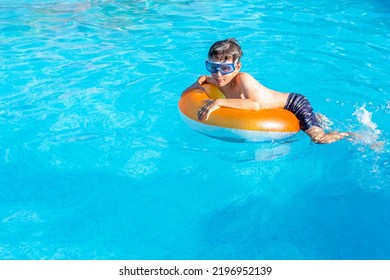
(247, 83)
(245, 76)
(246, 80)
(250, 82)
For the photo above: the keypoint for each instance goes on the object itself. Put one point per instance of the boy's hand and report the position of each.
(206, 110)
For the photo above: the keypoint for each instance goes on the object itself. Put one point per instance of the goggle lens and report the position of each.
(224, 68)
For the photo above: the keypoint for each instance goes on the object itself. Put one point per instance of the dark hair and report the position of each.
(226, 49)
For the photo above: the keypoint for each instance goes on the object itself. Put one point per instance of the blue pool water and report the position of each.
(95, 162)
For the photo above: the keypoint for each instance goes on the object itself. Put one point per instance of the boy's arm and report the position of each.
(243, 104)
(212, 105)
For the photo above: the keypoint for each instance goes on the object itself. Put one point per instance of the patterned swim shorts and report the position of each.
(301, 108)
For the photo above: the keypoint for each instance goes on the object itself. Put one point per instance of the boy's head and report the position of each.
(225, 50)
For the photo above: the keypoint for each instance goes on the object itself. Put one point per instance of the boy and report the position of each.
(242, 91)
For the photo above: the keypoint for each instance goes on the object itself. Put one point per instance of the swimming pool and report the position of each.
(95, 162)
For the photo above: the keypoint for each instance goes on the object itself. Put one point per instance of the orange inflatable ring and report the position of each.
(233, 124)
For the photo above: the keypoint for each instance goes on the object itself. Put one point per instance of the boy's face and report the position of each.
(224, 79)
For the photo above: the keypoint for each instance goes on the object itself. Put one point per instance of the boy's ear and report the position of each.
(238, 67)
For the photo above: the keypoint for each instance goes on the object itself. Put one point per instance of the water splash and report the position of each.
(369, 134)
(365, 118)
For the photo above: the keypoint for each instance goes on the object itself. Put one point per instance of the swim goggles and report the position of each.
(224, 68)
